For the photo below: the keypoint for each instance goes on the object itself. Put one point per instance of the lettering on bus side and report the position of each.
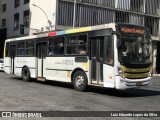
(72, 41)
(67, 62)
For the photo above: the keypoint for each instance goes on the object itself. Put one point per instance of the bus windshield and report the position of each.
(135, 49)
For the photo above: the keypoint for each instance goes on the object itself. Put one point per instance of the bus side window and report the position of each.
(109, 49)
(82, 44)
(51, 47)
(59, 46)
(71, 44)
(30, 48)
(77, 45)
(7, 50)
(21, 49)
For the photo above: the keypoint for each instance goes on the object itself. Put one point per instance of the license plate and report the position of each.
(139, 83)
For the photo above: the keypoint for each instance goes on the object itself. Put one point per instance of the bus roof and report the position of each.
(57, 33)
(70, 31)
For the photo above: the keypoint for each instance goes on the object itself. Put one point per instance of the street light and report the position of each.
(74, 14)
(44, 13)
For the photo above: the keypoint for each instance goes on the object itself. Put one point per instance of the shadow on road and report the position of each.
(136, 92)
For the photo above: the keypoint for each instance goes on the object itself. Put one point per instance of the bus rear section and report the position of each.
(19, 54)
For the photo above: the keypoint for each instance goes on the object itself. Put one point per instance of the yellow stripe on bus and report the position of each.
(4, 52)
(84, 29)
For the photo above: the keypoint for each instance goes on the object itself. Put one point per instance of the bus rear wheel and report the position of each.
(26, 74)
(80, 81)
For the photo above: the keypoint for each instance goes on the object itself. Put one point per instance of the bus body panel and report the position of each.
(108, 76)
(29, 62)
(61, 68)
(7, 65)
(127, 83)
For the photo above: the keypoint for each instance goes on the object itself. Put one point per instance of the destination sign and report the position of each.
(133, 29)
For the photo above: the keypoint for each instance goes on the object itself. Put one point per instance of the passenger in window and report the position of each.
(31, 52)
(61, 48)
(82, 51)
(50, 52)
(110, 59)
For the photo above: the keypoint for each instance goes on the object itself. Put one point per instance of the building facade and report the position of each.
(34, 15)
(3, 25)
(42, 15)
(30, 16)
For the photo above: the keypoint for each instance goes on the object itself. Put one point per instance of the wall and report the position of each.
(39, 20)
(11, 10)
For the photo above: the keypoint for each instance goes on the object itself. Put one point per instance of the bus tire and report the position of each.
(80, 81)
(26, 74)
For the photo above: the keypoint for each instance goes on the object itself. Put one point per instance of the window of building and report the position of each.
(26, 18)
(152, 7)
(137, 5)
(121, 17)
(56, 46)
(16, 3)
(3, 23)
(30, 48)
(77, 45)
(153, 24)
(4, 8)
(21, 49)
(16, 21)
(26, 1)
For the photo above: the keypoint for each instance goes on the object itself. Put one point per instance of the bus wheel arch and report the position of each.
(79, 79)
(26, 75)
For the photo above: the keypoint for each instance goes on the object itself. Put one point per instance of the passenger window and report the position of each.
(56, 46)
(21, 49)
(7, 50)
(51, 47)
(59, 46)
(77, 45)
(109, 49)
(30, 48)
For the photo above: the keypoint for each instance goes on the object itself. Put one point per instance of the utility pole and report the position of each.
(74, 14)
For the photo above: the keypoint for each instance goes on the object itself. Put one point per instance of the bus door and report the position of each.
(12, 55)
(41, 55)
(97, 48)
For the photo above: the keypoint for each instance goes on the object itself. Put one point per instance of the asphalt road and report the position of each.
(17, 95)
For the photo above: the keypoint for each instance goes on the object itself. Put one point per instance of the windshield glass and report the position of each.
(135, 49)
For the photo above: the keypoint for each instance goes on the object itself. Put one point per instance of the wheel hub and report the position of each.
(79, 81)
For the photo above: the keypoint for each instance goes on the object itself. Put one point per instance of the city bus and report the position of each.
(114, 55)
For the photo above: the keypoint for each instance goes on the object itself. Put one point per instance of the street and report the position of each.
(17, 95)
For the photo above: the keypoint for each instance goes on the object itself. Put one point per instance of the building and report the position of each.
(3, 25)
(27, 13)
(30, 16)
(58, 15)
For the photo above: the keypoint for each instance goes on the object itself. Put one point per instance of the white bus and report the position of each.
(112, 55)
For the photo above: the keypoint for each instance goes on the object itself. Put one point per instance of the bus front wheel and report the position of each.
(80, 81)
(26, 74)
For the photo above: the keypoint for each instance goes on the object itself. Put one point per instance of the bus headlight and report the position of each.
(121, 73)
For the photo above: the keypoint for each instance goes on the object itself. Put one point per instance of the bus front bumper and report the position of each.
(122, 83)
